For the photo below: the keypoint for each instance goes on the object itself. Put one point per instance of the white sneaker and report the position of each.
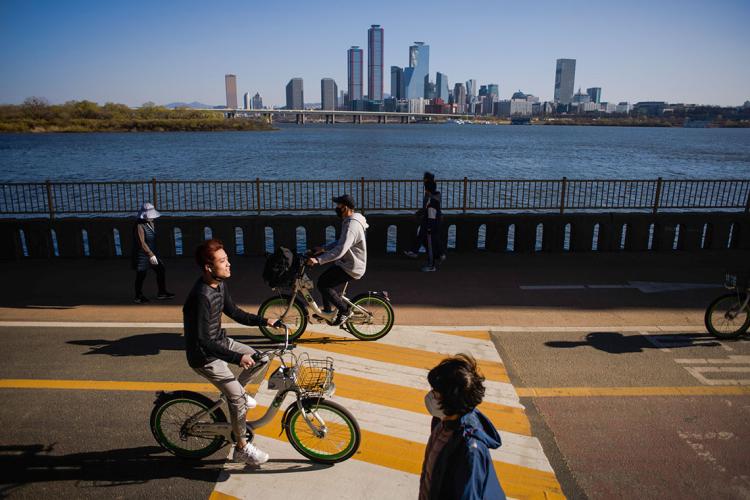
(250, 454)
(411, 254)
(428, 269)
(250, 402)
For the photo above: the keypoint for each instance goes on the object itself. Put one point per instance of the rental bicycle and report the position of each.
(728, 316)
(191, 425)
(372, 314)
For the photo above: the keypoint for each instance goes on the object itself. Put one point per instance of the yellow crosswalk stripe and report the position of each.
(469, 334)
(405, 356)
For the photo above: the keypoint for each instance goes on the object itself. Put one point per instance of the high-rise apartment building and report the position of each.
(459, 97)
(416, 75)
(294, 94)
(246, 102)
(441, 86)
(375, 63)
(471, 90)
(328, 94)
(397, 82)
(595, 93)
(257, 101)
(493, 90)
(354, 73)
(230, 82)
(565, 75)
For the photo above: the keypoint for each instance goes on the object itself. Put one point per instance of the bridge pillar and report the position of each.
(333, 119)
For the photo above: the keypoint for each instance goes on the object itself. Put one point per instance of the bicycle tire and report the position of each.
(341, 441)
(367, 301)
(296, 328)
(724, 303)
(170, 437)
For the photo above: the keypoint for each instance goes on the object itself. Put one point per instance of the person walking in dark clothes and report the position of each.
(413, 252)
(144, 254)
(349, 255)
(457, 461)
(431, 227)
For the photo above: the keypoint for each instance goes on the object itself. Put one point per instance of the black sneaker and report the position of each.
(165, 296)
(342, 318)
(141, 300)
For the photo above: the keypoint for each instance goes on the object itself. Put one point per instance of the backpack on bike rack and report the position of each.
(280, 268)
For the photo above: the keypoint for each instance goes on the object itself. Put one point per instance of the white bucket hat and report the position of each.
(148, 211)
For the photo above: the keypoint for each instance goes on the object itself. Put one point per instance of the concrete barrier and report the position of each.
(254, 235)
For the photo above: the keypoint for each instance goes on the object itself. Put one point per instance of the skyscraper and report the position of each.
(354, 73)
(441, 86)
(247, 103)
(459, 97)
(397, 82)
(471, 90)
(565, 75)
(257, 101)
(493, 90)
(375, 63)
(595, 93)
(416, 75)
(230, 82)
(294, 94)
(328, 94)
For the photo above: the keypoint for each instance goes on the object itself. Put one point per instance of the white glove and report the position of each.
(153, 260)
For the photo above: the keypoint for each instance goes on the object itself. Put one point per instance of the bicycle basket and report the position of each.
(314, 376)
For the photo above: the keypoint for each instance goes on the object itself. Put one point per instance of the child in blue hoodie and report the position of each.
(457, 463)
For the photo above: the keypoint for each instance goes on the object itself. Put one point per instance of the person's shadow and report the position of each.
(147, 344)
(617, 343)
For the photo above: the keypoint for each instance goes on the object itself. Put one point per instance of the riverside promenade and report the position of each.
(601, 378)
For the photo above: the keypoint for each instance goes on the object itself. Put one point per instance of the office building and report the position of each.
(581, 98)
(595, 93)
(257, 101)
(354, 74)
(471, 91)
(246, 103)
(375, 63)
(397, 83)
(459, 97)
(230, 82)
(417, 73)
(328, 94)
(565, 75)
(493, 90)
(623, 107)
(294, 94)
(441, 87)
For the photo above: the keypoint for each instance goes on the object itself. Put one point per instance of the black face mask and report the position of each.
(339, 212)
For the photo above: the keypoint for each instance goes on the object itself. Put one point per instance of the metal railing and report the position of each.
(314, 196)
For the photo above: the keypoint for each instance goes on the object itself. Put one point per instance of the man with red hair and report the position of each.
(209, 350)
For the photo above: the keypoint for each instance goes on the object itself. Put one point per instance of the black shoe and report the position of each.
(165, 295)
(342, 318)
(141, 300)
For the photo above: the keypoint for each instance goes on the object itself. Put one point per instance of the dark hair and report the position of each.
(431, 186)
(204, 254)
(459, 384)
(428, 176)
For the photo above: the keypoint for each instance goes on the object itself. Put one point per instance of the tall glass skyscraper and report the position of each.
(328, 94)
(354, 73)
(294, 94)
(441, 87)
(471, 90)
(416, 75)
(595, 93)
(565, 75)
(375, 63)
(397, 82)
(230, 82)
(459, 97)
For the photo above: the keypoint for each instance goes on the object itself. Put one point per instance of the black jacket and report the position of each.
(205, 340)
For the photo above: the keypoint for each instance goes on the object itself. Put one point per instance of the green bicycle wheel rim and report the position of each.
(385, 328)
(280, 338)
(321, 456)
(182, 451)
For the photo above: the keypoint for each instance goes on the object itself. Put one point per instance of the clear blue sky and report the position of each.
(163, 51)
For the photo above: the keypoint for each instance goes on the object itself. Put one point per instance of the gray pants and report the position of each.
(233, 388)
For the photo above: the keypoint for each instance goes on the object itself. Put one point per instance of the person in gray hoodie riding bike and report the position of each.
(348, 253)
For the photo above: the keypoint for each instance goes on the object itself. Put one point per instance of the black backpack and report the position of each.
(281, 268)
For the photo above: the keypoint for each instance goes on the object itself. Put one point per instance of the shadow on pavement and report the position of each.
(25, 464)
(617, 343)
(276, 466)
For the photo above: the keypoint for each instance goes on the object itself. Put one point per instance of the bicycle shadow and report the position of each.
(25, 464)
(275, 466)
(617, 343)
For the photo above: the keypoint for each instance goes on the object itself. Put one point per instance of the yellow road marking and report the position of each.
(217, 495)
(405, 356)
(469, 334)
(558, 392)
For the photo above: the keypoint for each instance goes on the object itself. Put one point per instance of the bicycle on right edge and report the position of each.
(728, 316)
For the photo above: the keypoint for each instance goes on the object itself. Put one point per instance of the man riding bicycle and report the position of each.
(349, 254)
(209, 349)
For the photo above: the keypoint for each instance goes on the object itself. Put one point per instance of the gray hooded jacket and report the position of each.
(350, 251)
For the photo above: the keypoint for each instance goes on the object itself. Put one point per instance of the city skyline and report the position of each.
(690, 52)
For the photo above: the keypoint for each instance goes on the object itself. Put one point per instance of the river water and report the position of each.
(391, 151)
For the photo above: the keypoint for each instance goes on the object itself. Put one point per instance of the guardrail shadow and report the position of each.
(617, 343)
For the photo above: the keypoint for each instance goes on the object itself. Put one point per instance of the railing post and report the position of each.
(747, 204)
(657, 195)
(466, 191)
(50, 203)
(257, 194)
(362, 195)
(563, 189)
(153, 192)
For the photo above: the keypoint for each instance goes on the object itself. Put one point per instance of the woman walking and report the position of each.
(144, 254)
